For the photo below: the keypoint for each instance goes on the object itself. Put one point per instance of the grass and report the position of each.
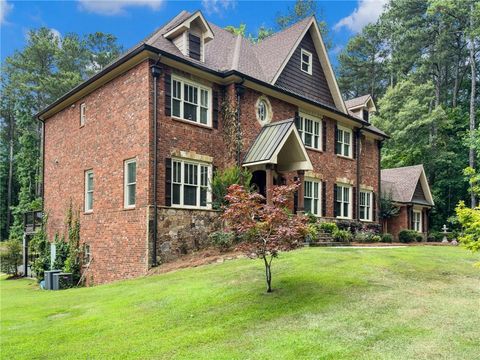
(403, 303)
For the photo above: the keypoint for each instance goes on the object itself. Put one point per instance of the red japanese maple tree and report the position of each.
(265, 229)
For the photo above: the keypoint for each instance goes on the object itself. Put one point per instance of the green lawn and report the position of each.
(397, 303)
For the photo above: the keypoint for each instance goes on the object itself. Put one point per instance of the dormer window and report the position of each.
(366, 114)
(306, 61)
(191, 35)
(194, 46)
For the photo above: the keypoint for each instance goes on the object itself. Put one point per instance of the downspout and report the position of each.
(357, 195)
(379, 195)
(156, 72)
(239, 90)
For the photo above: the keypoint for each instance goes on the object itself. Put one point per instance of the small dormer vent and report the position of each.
(195, 47)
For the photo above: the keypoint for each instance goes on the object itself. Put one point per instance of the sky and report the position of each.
(132, 20)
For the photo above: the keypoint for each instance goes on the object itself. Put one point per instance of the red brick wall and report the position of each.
(397, 223)
(116, 129)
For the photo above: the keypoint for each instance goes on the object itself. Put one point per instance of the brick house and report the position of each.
(135, 146)
(408, 188)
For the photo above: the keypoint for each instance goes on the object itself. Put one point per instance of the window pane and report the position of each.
(308, 205)
(346, 194)
(203, 115)
(90, 181)
(315, 207)
(308, 139)
(176, 107)
(337, 208)
(189, 195)
(190, 112)
(338, 148)
(204, 176)
(346, 137)
(176, 194)
(204, 98)
(345, 209)
(362, 212)
(89, 204)
(203, 196)
(346, 150)
(131, 172)
(339, 193)
(131, 194)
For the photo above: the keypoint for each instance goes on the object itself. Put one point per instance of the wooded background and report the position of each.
(419, 61)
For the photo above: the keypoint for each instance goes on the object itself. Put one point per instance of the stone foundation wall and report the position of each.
(183, 231)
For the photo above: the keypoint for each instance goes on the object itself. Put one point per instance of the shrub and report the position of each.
(367, 237)
(11, 257)
(312, 232)
(408, 236)
(328, 227)
(222, 239)
(387, 238)
(223, 179)
(342, 235)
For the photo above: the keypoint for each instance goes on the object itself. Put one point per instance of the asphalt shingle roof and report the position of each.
(351, 103)
(400, 183)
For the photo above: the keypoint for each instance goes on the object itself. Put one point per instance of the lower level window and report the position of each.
(130, 177)
(312, 197)
(417, 220)
(366, 205)
(342, 201)
(190, 184)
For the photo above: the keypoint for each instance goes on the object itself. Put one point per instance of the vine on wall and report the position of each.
(231, 127)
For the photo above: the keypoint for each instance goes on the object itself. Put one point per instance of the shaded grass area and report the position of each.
(402, 303)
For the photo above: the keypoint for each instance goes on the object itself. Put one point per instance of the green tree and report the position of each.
(46, 68)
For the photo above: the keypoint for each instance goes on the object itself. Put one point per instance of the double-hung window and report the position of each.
(343, 202)
(88, 190)
(190, 184)
(312, 197)
(417, 220)
(306, 61)
(130, 186)
(343, 145)
(83, 114)
(309, 128)
(366, 205)
(191, 101)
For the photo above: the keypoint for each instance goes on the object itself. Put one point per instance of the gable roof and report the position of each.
(400, 184)
(358, 101)
(272, 139)
(227, 54)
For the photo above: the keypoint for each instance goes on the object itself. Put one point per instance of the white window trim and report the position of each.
(182, 100)
(315, 119)
(209, 180)
(350, 145)
(310, 61)
(87, 172)
(268, 110)
(420, 220)
(126, 183)
(350, 189)
(370, 212)
(319, 200)
(83, 115)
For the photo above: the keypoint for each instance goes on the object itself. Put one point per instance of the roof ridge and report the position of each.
(236, 52)
(283, 30)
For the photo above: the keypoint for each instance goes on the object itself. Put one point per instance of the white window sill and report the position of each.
(88, 212)
(180, 207)
(191, 122)
(345, 157)
(343, 218)
(129, 207)
(313, 149)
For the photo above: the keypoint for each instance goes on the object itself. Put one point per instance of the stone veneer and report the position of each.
(182, 231)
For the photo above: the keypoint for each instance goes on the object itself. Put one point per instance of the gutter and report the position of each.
(358, 134)
(220, 74)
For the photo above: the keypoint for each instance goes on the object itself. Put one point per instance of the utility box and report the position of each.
(62, 281)
(49, 278)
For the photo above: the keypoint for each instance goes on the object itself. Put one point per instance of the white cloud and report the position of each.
(365, 13)
(56, 33)
(5, 8)
(337, 49)
(218, 6)
(116, 7)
